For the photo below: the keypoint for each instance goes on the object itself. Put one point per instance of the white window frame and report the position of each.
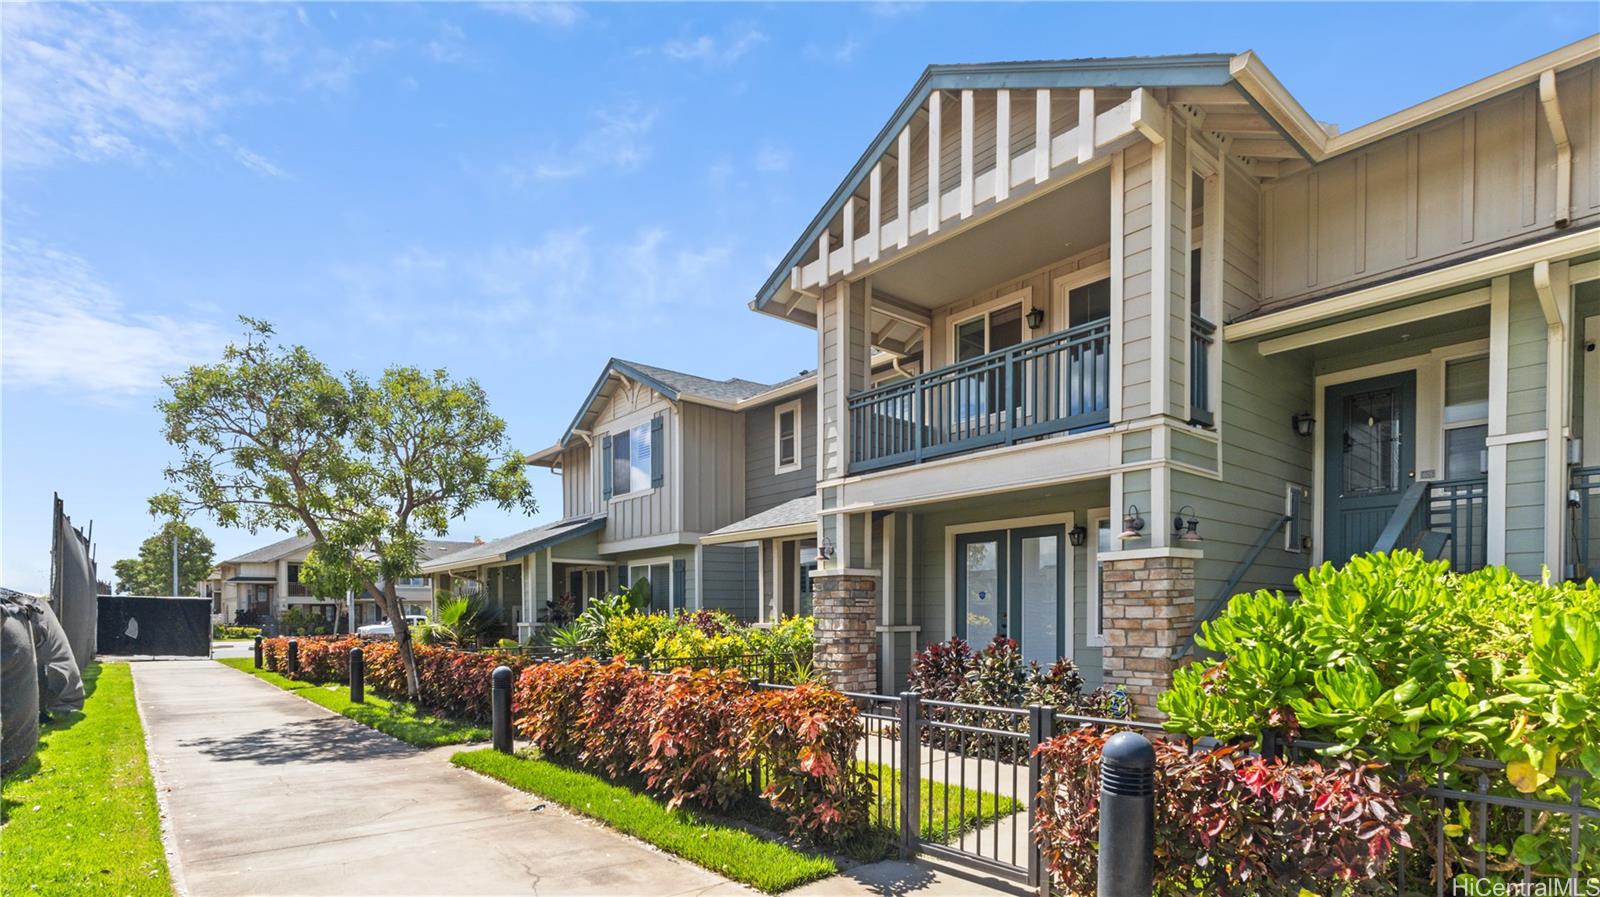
(1446, 426)
(1093, 635)
(629, 429)
(1023, 296)
(1063, 286)
(672, 598)
(791, 407)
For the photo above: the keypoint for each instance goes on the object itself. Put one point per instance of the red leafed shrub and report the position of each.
(691, 751)
(615, 734)
(548, 703)
(454, 683)
(805, 742)
(1229, 824)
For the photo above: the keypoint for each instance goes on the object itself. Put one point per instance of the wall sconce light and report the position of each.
(1186, 527)
(825, 549)
(1035, 318)
(1078, 535)
(1304, 423)
(1132, 524)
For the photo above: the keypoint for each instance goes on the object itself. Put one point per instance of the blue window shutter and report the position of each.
(680, 581)
(605, 467)
(656, 449)
(622, 578)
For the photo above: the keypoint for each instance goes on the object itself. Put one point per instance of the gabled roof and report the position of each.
(675, 386)
(509, 548)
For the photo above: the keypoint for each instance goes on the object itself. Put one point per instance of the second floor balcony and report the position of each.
(1052, 384)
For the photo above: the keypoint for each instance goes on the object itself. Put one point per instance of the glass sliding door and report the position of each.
(1038, 592)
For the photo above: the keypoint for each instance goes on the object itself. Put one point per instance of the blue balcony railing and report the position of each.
(1047, 385)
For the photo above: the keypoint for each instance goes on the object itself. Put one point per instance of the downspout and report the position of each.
(1550, 282)
(1551, 101)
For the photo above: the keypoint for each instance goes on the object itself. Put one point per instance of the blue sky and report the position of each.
(514, 193)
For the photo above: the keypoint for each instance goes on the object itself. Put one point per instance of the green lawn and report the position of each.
(80, 818)
(730, 851)
(397, 718)
(967, 809)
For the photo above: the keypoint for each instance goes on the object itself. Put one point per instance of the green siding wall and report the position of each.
(1525, 508)
(1525, 379)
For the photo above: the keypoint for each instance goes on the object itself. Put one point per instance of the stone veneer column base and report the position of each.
(845, 604)
(1148, 612)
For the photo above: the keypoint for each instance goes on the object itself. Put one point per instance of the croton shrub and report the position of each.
(453, 682)
(693, 736)
(1398, 659)
(1229, 824)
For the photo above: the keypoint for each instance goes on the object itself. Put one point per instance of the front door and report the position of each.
(1038, 592)
(980, 587)
(1369, 459)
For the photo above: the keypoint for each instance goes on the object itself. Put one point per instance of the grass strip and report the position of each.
(398, 718)
(80, 817)
(732, 852)
(948, 811)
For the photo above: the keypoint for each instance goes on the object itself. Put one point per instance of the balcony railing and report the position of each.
(1047, 385)
(1201, 335)
(1444, 519)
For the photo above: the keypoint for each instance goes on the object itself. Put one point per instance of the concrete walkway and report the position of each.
(265, 793)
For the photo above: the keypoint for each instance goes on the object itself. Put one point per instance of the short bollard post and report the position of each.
(292, 658)
(500, 702)
(1127, 816)
(258, 652)
(358, 676)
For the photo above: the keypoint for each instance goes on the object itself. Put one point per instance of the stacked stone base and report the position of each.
(1148, 612)
(845, 604)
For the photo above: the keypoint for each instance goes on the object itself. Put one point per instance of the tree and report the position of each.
(270, 438)
(151, 572)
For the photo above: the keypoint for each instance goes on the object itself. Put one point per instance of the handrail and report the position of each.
(1226, 592)
(1413, 498)
(981, 362)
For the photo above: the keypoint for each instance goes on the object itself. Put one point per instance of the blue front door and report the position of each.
(1369, 459)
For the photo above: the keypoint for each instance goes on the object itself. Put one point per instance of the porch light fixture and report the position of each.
(1186, 527)
(1078, 535)
(1304, 423)
(1035, 318)
(1132, 524)
(825, 549)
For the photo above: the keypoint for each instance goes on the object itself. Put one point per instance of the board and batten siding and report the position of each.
(763, 488)
(1458, 187)
(729, 580)
(580, 492)
(710, 453)
(652, 512)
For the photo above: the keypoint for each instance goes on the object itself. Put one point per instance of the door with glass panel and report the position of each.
(1038, 592)
(1369, 459)
(980, 586)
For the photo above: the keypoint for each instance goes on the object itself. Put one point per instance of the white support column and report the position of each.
(875, 212)
(1086, 125)
(1499, 364)
(849, 224)
(966, 153)
(902, 170)
(1002, 144)
(1041, 136)
(1160, 277)
(935, 203)
(822, 253)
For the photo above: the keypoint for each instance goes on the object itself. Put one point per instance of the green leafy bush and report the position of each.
(1397, 659)
(223, 633)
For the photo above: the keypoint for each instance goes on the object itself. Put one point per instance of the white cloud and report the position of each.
(252, 160)
(64, 328)
(617, 140)
(553, 15)
(772, 158)
(713, 51)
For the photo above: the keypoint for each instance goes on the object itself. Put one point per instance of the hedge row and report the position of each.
(1229, 824)
(694, 736)
(454, 683)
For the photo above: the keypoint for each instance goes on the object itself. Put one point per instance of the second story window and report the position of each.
(632, 459)
(786, 436)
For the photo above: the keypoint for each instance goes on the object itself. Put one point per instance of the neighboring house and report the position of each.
(260, 585)
(665, 478)
(1182, 340)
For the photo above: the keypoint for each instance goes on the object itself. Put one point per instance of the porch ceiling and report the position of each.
(1422, 335)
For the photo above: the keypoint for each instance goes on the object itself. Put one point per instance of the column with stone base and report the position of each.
(845, 604)
(1148, 612)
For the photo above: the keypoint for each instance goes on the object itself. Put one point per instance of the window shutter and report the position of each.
(605, 467)
(656, 467)
(680, 579)
(622, 578)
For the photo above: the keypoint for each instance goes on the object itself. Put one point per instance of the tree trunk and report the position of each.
(390, 603)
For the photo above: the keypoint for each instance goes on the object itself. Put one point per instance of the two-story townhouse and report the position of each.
(659, 470)
(261, 585)
(1181, 340)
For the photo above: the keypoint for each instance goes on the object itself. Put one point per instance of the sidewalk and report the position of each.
(269, 794)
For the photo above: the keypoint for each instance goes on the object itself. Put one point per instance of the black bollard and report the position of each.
(358, 676)
(292, 659)
(258, 652)
(500, 704)
(1127, 816)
